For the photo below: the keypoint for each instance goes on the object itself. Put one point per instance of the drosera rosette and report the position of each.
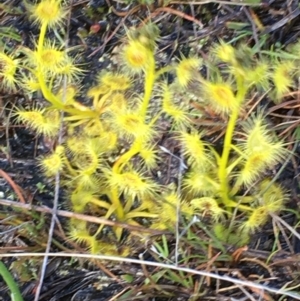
(121, 200)
(215, 179)
(107, 137)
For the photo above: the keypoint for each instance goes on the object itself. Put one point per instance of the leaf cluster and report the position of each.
(110, 146)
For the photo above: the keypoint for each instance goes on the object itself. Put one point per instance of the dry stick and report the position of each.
(177, 13)
(172, 12)
(194, 24)
(14, 186)
(251, 285)
(89, 218)
(285, 236)
(49, 241)
(181, 169)
(285, 104)
(247, 293)
(293, 118)
(237, 3)
(255, 290)
(115, 297)
(280, 220)
(7, 127)
(50, 235)
(122, 13)
(148, 276)
(261, 263)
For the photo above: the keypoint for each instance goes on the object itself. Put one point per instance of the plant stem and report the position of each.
(222, 172)
(150, 76)
(225, 156)
(9, 280)
(42, 35)
(117, 204)
(148, 87)
(39, 73)
(135, 147)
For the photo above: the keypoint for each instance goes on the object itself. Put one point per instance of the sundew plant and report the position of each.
(110, 147)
